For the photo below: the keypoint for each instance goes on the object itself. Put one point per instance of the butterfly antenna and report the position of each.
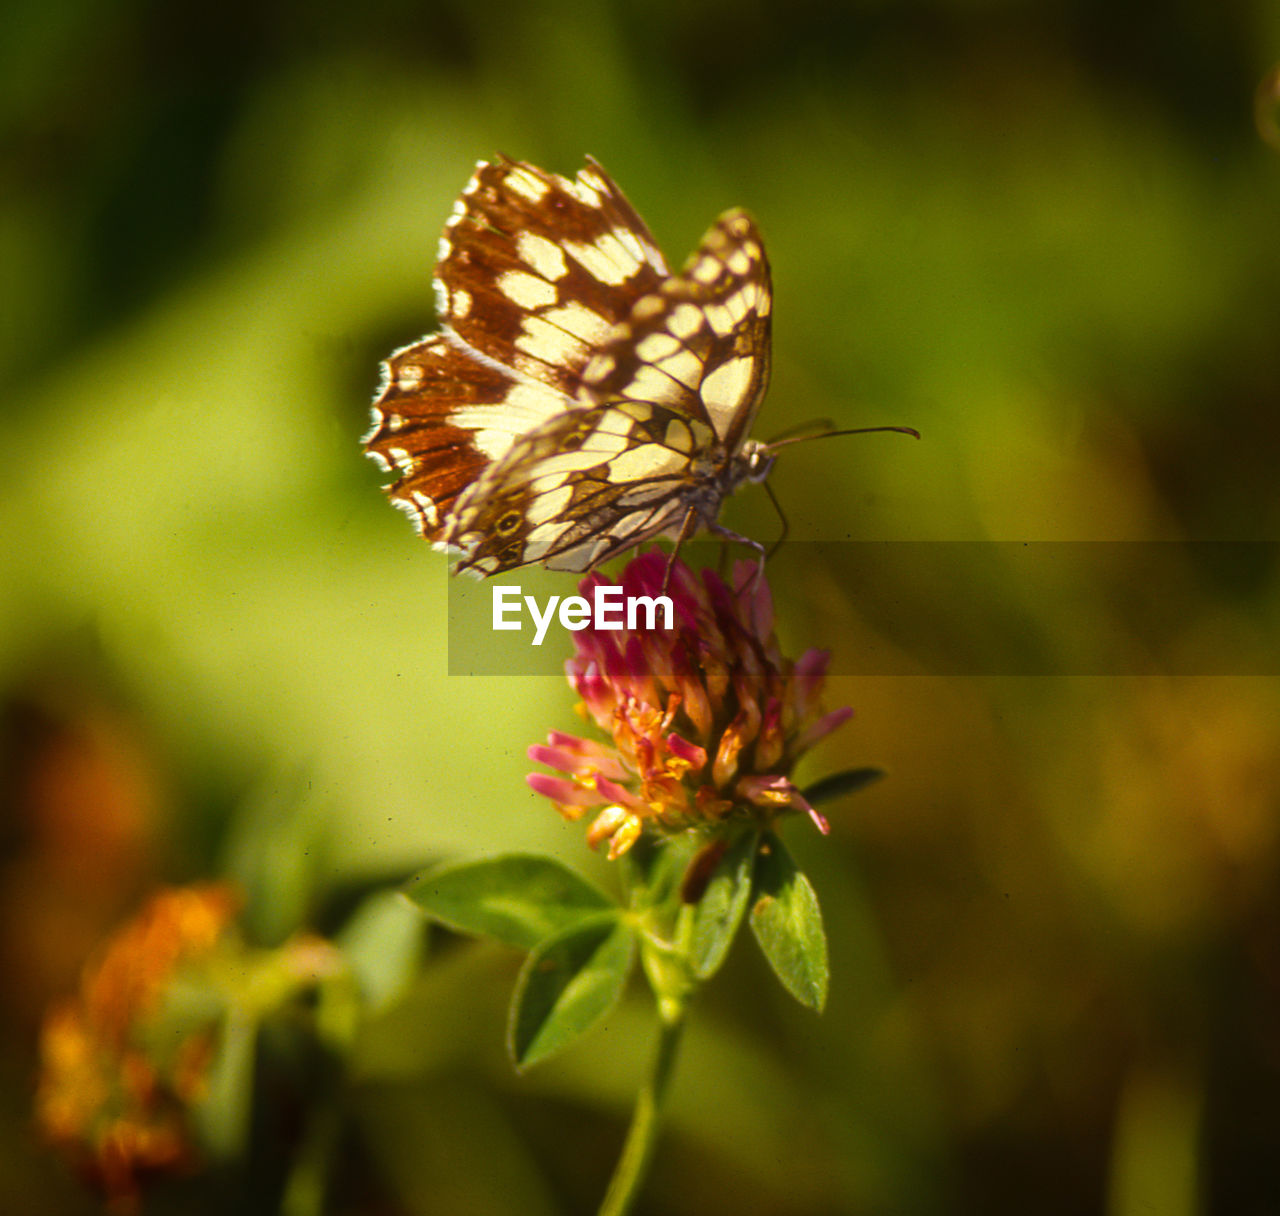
(820, 426)
(861, 430)
(786, 438)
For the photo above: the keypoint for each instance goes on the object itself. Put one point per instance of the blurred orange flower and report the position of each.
(114, 1107)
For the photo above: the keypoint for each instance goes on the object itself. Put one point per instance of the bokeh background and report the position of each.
(1043, 233)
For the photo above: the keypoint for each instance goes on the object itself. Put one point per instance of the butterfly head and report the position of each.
(756, 461)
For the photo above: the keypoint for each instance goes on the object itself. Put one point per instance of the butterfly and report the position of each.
(578, 398)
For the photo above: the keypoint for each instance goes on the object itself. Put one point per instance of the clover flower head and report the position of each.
(706, 719)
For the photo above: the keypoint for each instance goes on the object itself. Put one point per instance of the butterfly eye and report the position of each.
(759, 464)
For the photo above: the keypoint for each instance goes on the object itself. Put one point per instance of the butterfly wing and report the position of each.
(700, 344)
(535, 270)
(578, 397)
(665, 404)
(580, 488)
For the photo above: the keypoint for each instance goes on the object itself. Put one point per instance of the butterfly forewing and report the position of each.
(535, 269)
(578, 398)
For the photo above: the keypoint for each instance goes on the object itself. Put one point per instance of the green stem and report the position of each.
(642, 1135)
(305, 1190)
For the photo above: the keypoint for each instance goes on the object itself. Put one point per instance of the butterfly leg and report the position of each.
(782, 515)
(687, 525)
(738, 538)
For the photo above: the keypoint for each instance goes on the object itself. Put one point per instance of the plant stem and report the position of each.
(642, 1135)
(308, 1182)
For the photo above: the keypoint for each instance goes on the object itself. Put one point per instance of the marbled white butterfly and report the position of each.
(579, 398)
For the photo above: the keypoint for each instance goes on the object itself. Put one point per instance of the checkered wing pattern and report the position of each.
(578, 397)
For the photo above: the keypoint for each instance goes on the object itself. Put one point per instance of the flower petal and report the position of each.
(566, 794)
(822, 727)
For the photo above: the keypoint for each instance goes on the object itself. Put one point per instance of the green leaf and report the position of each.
(839, 784)
(788, 924)
(383, 944)
(518, 899)
(567, 984)
(719, 912)
(655, 867)
(224, 1115)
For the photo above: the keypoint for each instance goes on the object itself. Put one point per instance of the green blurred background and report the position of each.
(1043, 233)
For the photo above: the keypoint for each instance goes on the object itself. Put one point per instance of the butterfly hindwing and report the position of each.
(580, 488)
(426, 387)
